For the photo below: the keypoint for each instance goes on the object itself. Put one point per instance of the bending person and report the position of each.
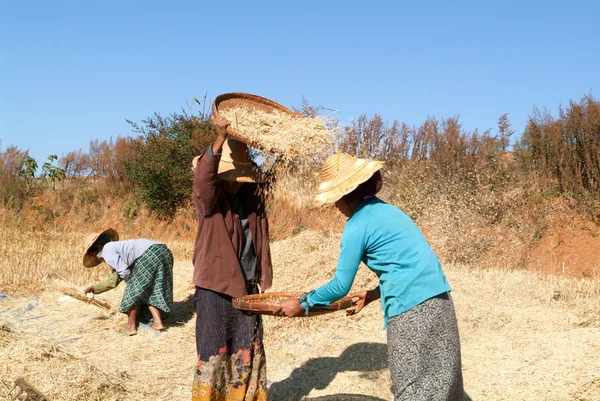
(147, 268)
(422, 332)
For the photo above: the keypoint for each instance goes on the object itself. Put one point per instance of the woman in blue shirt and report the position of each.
(422, 332)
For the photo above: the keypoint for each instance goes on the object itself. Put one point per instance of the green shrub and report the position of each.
(161, 169)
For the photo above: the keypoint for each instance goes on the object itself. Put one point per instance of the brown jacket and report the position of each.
(218, 245)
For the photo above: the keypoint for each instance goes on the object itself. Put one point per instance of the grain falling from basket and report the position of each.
(283, 133)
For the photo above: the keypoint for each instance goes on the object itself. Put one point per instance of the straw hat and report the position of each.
(341, 174)
(235, 164)
(91, 260)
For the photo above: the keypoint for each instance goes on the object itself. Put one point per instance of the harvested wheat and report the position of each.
(288, 135)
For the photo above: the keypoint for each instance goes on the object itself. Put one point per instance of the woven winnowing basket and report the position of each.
(267, 303)
(231, 100)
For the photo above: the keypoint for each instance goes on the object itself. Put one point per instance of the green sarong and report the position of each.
(150, 283)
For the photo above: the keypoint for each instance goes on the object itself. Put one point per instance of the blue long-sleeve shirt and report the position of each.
(393, 247)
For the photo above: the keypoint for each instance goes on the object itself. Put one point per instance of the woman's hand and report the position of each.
(88, 290)
(363, 298)
(290, 307)
(220, 124)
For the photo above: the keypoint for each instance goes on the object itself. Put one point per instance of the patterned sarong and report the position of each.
(231, 359)
(424, 352)
(150, 283)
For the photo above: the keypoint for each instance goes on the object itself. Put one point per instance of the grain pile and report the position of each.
(291, 149)
(291, 136)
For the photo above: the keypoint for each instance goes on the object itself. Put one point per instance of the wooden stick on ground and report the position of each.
(74, 294)
(32, 393)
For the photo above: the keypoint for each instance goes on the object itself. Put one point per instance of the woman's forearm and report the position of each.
(108, 283)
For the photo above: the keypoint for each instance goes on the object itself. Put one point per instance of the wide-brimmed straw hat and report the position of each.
(235, 164)
(341, 174)
(90, 260)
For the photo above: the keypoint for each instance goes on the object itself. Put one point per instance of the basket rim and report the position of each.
(290, 294)
(252, 303)
(253, 98)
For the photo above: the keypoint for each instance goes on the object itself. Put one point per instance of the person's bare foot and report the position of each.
(130, 330)
(157, 323)
(158, 326)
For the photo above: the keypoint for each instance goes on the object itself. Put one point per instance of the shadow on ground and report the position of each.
(181, 312)
(345, 397)
(318, 373)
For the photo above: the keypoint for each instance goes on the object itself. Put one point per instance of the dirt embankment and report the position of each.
(570, 246)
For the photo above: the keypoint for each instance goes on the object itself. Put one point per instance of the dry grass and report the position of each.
(72, 350)
(523, 336)
(36, 256)
(283, 133)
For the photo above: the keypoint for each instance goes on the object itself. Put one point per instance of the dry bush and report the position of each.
(13, 189)
(373, 138)
(76, 164)
(11, 161)
(565, 150)
(107, 159)
(467, 216)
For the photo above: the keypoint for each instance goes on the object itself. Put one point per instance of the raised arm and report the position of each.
(220, 124)
(205, 173)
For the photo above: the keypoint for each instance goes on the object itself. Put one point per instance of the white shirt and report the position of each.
(120, 255)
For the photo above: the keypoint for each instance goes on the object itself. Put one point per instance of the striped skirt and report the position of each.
(150, 283)
(231, 359)
(424, 352)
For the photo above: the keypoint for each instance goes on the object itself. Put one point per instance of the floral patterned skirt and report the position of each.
(231, 359)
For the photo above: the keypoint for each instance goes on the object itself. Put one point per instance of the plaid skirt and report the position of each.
(150, 283)
(231, 359)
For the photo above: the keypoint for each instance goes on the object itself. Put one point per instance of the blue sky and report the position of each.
(73, 71)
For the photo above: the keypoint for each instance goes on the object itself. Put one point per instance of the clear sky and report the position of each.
(73, 71)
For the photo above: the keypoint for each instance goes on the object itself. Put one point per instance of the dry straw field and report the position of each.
(524, 336)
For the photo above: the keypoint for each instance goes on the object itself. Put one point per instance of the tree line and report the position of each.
(154, 161)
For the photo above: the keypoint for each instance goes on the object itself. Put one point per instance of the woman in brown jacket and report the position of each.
(231, 259)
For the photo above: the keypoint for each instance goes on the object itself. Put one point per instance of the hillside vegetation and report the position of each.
(486, 199)
(515, 220)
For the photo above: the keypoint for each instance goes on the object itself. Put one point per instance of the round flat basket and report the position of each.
(268, 303)
(233, 100)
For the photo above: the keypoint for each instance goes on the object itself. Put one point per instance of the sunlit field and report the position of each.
(523, 336)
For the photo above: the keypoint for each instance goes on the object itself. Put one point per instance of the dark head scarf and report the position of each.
(367, 189)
